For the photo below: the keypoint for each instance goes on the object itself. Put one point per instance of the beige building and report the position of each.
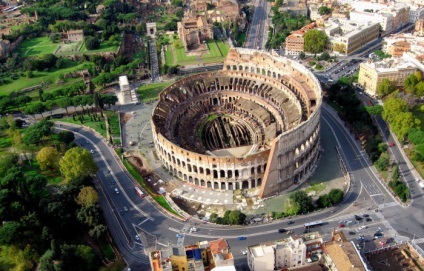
(295, 41)
(341, 255)
(193, 31)
(295, 7)
(74, 35)
(350, 35)
(396, 70)
(283, 254)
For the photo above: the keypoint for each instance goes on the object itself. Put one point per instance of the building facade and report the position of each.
(194, 30)
(350, 35)
(395, 70)
(295, 41)
(253, 124)
(283, 254)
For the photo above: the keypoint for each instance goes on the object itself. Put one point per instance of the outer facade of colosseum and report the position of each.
(253, 124)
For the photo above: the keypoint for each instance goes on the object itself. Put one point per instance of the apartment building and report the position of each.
(385, 20)
(350, 35)
(396, 70)
(341, 255)
(204, 256)
(283, 254)
(415, 13)
(295, 41)
(397, 44)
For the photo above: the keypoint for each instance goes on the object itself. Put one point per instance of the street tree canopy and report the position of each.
(47, 158)
(315, 41)
(392, 107)
(87, 196)
(385, 87)
(35, 133)
(77, 163)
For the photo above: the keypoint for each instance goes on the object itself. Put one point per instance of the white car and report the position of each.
(137, 237)
(244, 251)
(362, 227)
(116, 191)
(92, 151)
(193, 229)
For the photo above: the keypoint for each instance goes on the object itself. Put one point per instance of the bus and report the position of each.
(313, 224)
(139, 192)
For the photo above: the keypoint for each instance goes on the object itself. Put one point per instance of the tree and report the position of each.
(383, 162)
(47, 158)
(9, 233)
(403, 122)
(92, 43)
(46, 261)
(315, 41)
(302, 55)
(419, 89)
(336, 195)
(385, 87)
(416, 136)
(324, 201)
(393, 107)
(303, 201)
(35, 133)
(65, 102)
(323, 10)
(325, 56)
(98, 231)
(76, 163)
(375, 110)
(87, 196)
(66, 137)
(34, 185)
(49, 60)
(409, 83)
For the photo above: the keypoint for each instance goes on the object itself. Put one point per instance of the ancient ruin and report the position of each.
(253, 124)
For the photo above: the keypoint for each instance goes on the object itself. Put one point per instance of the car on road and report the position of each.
(362, 228)
(342, 225)
(137, 237)
(368, 219)
(116, 191)
(92, 151)
(244, 251)
(241, 238)
(352, 233)
(365, 215)
(193, 229)
(357, 217)
(378, 235)
(379, 230)
(290, 222)
(125, 209)
(87, 142)
(282, 230)
(391, 144)
(179, 235)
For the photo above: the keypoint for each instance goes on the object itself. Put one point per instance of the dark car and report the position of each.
(352, 233)
(282, 230)
(365, 215)
(357, 217)
(290, 222)
(368, 219)
(241, 238)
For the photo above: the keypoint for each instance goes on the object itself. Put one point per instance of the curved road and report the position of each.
(156, 229)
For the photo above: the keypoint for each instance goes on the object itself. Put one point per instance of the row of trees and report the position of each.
(234, 217)
(413, 85)
(399, 188)
(300, 203)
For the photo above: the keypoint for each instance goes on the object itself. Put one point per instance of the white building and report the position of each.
(385, 20)
(286, 253)
(123, 83)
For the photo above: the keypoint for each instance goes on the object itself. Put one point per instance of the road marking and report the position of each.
(143, 221)
(173, 229)
(161, 244)
(376, 194)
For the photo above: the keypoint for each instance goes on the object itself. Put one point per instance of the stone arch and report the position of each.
(208, 171)
(216, 185)
(222, 173)
(185, 177)
(234, 68)
(209, 184)
(202, 183)
(201, 171)
(196, 181)
(223, 186)
(240, 68)
(229, 173)
(195, 168)
(245, 185)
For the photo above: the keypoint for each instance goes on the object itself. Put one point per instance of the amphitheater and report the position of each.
(253, 124)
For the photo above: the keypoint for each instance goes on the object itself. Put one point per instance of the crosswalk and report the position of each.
(418, 241)
(388, 204)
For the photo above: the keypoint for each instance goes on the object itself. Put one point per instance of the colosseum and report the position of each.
(253, 124)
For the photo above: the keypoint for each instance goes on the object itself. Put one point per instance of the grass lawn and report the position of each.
(317, 187)
(51, 77)
(98, 125)
(150, 92)
(177, 56)
(36, 47)
(33, 169)
(113, 123)
(104, 47)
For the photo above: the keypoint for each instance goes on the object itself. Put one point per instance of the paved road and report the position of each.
(146, 220)
(257, 29)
